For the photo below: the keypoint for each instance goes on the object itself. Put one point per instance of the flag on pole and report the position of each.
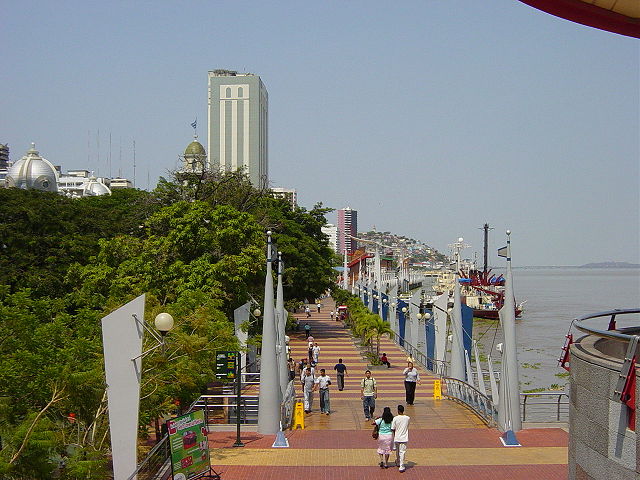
(195, 123)
(502, 252)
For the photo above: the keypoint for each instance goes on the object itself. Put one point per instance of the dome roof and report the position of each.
(94, 188)
(33, 171)
(194, 148)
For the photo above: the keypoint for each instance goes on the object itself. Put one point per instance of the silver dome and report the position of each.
(33, 171)
(95, 187)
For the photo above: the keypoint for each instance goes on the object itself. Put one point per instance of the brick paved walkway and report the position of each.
(445, 440)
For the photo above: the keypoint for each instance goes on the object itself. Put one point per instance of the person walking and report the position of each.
(368, 393)
(385, 361)
(400, 429)
(341, 372)
(319, 307)
(331, 313)
(291, 365)
(308, 387)
(307, 310)
(307, 329)
(322, 384)
(310, 351)
(411, 377)
(316, 352)
(385, 437)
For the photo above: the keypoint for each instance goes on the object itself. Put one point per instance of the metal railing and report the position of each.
(437, 367)
(223, 409)
(156, 465)
(478, 402)
(287, 406)
(611, 334)
(530, 398)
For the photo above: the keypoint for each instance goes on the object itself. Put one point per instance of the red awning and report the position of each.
(620, 17)
(359, 259)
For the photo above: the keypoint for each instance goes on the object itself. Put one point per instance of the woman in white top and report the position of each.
(411, 377)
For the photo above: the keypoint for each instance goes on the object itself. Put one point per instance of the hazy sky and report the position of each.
(428, 117)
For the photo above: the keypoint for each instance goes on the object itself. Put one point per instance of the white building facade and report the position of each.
(331, 231)
(238, 107)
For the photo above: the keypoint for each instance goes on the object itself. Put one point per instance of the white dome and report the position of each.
(33, 171)
(95, 188)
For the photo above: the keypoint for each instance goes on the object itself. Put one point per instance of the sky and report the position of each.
(428, 117)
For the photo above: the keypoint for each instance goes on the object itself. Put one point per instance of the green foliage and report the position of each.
(43, 233)
(196, 247)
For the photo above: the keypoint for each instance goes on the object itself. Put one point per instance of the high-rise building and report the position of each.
(289, 194)
(4, 155)
(238, 124)
(331, 231)
(347, 227)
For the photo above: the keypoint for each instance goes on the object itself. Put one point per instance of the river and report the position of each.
(554, 297)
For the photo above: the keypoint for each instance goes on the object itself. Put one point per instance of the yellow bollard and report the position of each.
(298, 416)
(437, 390)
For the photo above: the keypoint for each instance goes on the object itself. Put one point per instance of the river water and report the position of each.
(554, 297)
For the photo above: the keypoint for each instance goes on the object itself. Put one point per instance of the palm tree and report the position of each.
(375, 329)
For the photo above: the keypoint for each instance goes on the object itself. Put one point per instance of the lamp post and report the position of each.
(269, 397)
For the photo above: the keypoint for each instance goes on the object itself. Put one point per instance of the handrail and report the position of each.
(422, 359)
(612, 334)
(527, 395)
(481, 404)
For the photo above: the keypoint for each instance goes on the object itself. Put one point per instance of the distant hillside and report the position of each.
(611, 265)
(417, 250)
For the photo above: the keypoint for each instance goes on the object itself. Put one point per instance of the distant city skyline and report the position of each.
(430, 118)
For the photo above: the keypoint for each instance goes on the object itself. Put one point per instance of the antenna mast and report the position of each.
(486, 229)
(134, 164)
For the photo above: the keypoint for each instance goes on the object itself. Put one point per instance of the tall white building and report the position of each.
(238, 124)
(347, 228)
(331, 231)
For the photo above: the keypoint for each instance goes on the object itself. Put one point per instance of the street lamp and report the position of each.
(163, 323)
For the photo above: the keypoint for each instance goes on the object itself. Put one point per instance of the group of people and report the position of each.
(312, 383)
(392, 431)
(393, 435)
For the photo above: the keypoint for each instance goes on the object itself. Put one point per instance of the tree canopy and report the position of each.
(195, 246)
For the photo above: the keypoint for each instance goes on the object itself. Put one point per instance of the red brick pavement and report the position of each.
(328, 434)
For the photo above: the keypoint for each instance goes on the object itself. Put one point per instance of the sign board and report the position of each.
(189, 446)
(298, 416)
(437, 390)
(226, 365)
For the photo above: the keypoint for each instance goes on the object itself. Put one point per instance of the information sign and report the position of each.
(189, 446)
(226, 365)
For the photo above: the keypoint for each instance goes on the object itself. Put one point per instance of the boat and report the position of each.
(479, 289)
(485, 297)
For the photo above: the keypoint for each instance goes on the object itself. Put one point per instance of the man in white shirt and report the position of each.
(308, 387)
(322, 384)
(400, 429)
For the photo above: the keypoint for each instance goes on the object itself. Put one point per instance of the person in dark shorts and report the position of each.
(341, 371)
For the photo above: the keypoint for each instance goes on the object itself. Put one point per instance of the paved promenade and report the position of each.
(445, 440)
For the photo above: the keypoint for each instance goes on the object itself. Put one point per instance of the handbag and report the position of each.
(375, 432)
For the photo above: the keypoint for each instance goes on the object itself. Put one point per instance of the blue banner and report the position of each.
(385, 307)
(402, 320)
(430, 327)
